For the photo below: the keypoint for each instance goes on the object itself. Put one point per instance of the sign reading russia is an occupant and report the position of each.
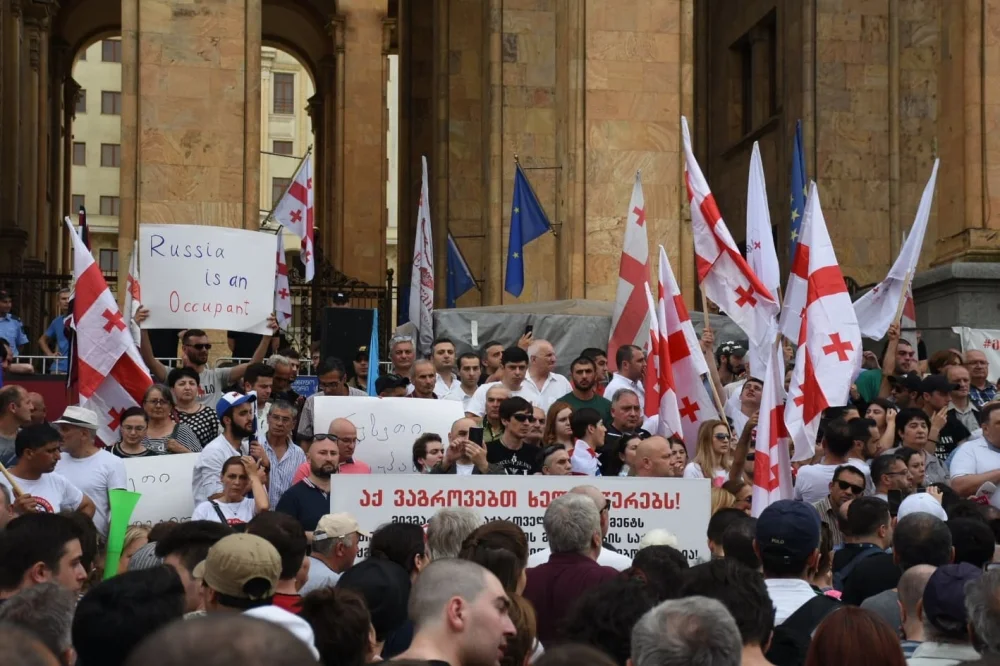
(206, 277)
(680, 506)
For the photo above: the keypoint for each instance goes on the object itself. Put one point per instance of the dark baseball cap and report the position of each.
(362, 353)
(385, 587)
(788, 529)
(908, 380)
(388, 382)
(944, 596)
(932, 383)
(731, 348)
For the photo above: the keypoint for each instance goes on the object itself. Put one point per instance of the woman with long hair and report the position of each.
(185, 385)
(722, 499)
(234, 508)
(501, 547)
(852, 635)
(742, 491)
(557, 430)
(163, 433)
(713, 455)
(883, 413)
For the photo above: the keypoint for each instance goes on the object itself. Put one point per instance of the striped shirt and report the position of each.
(829, 516)
(282, 472)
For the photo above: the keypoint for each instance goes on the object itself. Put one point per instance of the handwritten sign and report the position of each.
(165, 485)
(387, 427)
(681, 506)
(197, 276)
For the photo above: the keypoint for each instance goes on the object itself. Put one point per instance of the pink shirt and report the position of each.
(356, 467)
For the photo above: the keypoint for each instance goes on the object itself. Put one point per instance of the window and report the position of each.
(284, 92)
(283, 147)
(108, 259)
(110, 206)
(79, 201)
(111, 155)
(111, 50)
(756, 57)
(81, 102)
(111, 103)
(278, 187)
(79, 153)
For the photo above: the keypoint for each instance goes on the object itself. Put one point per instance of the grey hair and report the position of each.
(276, 360)
(621, 393)
(440, 582)
(46, 610)
(982, 608)
(447, 529)
(398, 340)
(570, 522)
(419, 361)
(535, 344)
(284, 404)
(326, 546)
(693, 630)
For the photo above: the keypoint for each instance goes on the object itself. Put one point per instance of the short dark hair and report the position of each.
(973, 540)
(178, 374)
(603, 616)
(582, 419)
(721, 520)
(420, 447)
(881, 465)
(513, 355)
(921, 538)
(861, 429)
(468, 355)
(624, 354)
(866, 514)
(910, 414)
(593, 352)
(501, 547)
(192, 333)
(741, 590)
(399, 543)
(89, 538)
(439, 341)
(846, 468)
(487, 345)
(582, 360)
(838, 437)
(514, 405)
(905, 453)
(661, 567)
(331, 364)
(737, 542)
(340, 620)
(30, 539)
(135, 411)
(190, 541)
(35, 436)
(117, 614)
(285, 533)
(255, 371)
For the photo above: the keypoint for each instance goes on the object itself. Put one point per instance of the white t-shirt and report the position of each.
(554, 387)
(976, 456)
(206, 478)
(236, 513)
(95, 475)
(619, 382)
(464, 470)
(52, 492)
(607, 558)
(812, 483)
(477, 404)
(693, 471)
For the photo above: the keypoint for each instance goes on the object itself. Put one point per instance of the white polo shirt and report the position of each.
(976, 456)
(445, 392)
(619, 382)
(551, 389)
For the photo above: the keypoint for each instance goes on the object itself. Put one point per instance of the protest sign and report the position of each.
(984, 340)
(165, 485)
(680, 506)
(207, 277)
(387, 427)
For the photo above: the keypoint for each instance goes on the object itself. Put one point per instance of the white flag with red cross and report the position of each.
(111, 375)
(422, 277)
(772, 466)
(296, 213)
(830, 340)
(282, 293)
(661, 392)
(687, 364)
(724, 275)
(761, 255)
(630, 318)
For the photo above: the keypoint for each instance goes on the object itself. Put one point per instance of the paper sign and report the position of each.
(680, 506)
(165, 485)
(387, 427)
(206, 277)
(984, 340)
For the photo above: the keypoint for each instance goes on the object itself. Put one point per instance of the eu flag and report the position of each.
(527, 222)
(460, 279)
(799, 184)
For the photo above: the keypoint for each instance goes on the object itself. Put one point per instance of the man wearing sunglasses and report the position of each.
(848, 482)
(510, 451)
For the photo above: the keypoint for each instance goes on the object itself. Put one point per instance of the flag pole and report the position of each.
(274, 204)
(10, 479)
(902, 299)
(711, 381)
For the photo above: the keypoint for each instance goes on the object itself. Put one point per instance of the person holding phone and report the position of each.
(466, 454)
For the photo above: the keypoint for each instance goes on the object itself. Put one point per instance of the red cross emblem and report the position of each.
(838, 347)
(283, 293)
(635, 308)
(306, 254)
(746, 296)
(875, 289)
(309, 183)
(641, 213)
(756, 245)
(114, 320)
(116, 417)
(689, 409)
(296, 216)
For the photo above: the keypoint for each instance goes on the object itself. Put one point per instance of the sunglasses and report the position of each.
(722, 437)
(521, 418)
(202, 347)
(844, 485)
(750, 457)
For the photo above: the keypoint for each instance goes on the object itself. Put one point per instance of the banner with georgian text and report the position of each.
(984, 340)
(680, 506)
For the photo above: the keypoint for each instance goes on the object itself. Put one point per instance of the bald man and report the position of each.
(653, 458)
(608, 557)
(344, 435)
(910, 592)
(464, 457)
(38, 410)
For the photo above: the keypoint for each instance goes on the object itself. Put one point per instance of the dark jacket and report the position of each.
(553, 587)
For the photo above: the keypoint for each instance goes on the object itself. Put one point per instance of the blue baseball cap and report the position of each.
(788, 529)
(944, 596)
(230, 400)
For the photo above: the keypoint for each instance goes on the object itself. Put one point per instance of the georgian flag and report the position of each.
(296, 213)
(630, 320)
(282, 293)
(772, 467)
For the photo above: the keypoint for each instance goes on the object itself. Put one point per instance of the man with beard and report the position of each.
(309, 500)
(235, 413)
(631, 362)
(626, 416)
(342, 433)
(583, 374)
(600, 359)
(731, 359)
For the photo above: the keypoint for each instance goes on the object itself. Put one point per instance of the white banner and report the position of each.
(984, 340)
(196, 276)
(680, 506)
(165, 485)
(387, 427)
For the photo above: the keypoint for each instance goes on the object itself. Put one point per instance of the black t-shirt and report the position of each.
(611, 463)
(951, 435)
(522, 462)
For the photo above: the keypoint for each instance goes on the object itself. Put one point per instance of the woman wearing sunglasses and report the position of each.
(164, 434)
(713, 455)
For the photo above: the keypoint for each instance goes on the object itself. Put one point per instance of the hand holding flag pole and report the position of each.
(715, 391)
(902, 299)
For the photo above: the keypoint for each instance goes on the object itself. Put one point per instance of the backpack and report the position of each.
(840, 577)
(790, 640)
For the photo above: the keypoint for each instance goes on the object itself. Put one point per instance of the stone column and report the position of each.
(329, 138)
(12, 237)
(438, 160)
(31, 93)
(190, 115)
(71, 93)
(43, 12)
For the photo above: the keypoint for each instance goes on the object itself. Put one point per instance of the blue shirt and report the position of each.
(57, 331)
(306, 503)
(12, 331)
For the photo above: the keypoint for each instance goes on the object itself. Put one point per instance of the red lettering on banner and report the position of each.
(371, 499)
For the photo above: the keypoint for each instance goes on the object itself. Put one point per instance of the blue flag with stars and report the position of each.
(527, 222)
(460, 279)
(799, 184)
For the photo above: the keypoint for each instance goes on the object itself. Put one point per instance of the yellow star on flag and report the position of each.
(795, 235)
(795, 213)
(516, 210)
(516, 255)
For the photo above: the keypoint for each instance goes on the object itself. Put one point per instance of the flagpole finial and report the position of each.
(516, 161)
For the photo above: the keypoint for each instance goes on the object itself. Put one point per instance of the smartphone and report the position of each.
(476, 435)
(528, 329)
(895, 498)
